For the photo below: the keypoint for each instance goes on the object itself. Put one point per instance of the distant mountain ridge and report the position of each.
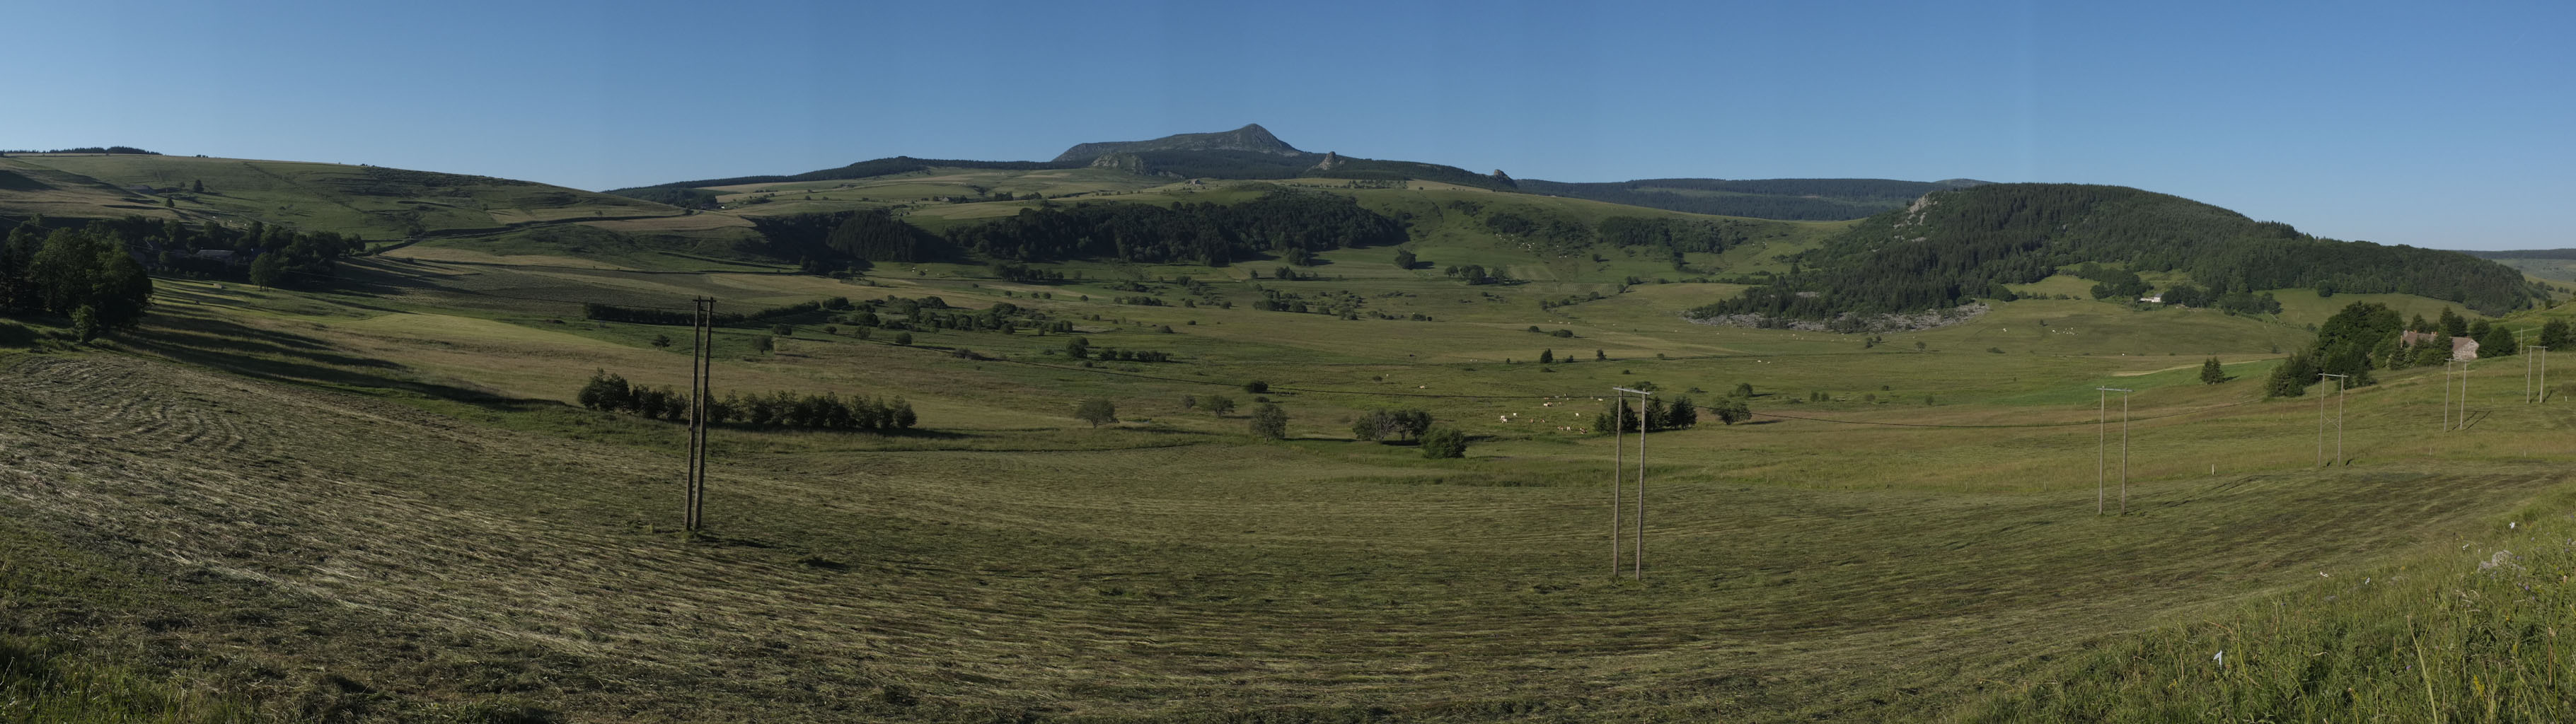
(1251, 137)
(1252, 152)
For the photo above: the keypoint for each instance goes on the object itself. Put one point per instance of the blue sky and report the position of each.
(2444, 125)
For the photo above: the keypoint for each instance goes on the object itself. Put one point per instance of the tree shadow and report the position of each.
(294, 359)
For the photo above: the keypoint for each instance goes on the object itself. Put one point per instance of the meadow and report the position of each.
(376, 503)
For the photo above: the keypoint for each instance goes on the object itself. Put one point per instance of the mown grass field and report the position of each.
(374, 504)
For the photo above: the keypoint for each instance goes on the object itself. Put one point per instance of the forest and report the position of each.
(1969, 243)
(1209, 234)
(80, 274)
(834, 239)
(269, 256)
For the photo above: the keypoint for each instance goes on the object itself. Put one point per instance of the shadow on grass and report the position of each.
(295, 359)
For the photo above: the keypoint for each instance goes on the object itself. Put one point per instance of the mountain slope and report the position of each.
(371, 202)
(1796, 199)
(1954, 246)
(1250, 138)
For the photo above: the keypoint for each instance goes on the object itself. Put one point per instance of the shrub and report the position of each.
(1444, 442)
(1269, 422)
(1096, 412)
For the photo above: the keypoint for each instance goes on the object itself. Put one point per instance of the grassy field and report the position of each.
(371, 202)
(375, 503)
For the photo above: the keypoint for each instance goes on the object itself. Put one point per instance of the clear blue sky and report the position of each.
(2434, 124)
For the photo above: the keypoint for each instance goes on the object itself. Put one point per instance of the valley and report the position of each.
(380, 498)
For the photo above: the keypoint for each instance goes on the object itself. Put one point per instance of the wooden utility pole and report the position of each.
(1644, 424)
(2321, 419)
(702, 343)
(2102, 452)
(1619, 474)
(2542, 388)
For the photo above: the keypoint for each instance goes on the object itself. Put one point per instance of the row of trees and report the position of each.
(79, 274)
(828, 411)
(269, 256)
(1679, 414)
(1267, 421)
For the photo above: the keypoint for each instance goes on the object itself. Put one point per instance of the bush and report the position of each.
(1096, 412)
(1444, 442)
(1269, 422)
(1256, 387)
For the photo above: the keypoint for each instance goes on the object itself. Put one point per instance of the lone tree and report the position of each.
(1269, 422)
(1547, 356)
(1218, 404)
(1096, 412)
(1404, 259)
(2554, 333)
(2210, 373)
(1444, 442)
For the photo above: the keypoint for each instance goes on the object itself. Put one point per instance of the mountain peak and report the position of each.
(1251, 137)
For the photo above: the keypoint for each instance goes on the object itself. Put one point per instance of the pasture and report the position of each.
(375, 502)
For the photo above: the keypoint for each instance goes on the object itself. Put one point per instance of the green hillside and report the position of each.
(1148, 480)
(1955, 246)
(370, 202)
(1820, 199)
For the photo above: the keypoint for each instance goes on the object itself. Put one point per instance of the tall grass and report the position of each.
(2471, 632)
(43, 681)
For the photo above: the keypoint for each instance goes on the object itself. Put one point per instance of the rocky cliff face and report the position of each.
(1251, 137)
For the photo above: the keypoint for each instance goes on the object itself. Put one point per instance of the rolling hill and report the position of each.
(1955, 246)
(384, 499)
(371, 202)
(1806, 199)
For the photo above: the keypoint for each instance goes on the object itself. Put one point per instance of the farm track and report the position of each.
(1122, 583)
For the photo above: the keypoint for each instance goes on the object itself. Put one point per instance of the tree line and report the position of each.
(1965, 244)
(829, 240)
(2366, 336)
(269, 256)
(93, 149)
(1210, 234)
(609, 392)
(79, 274)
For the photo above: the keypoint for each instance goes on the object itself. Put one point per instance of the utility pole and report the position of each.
(2464, 394)
(2321, 419)
(1619, 471)
(2446, 394)
(2542, 388)
(1643, 426)
(2102, 453)
(702, 342)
